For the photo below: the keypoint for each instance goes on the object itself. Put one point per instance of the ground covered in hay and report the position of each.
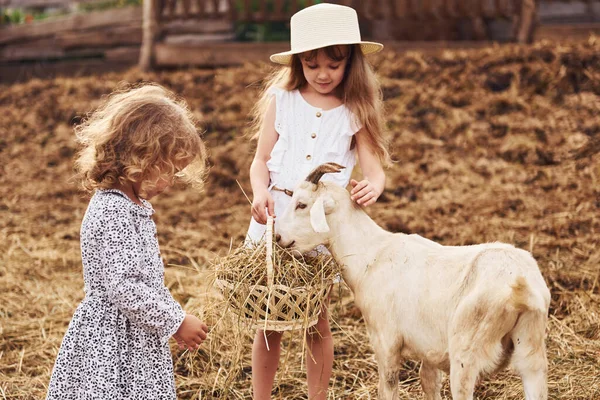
(492, 144)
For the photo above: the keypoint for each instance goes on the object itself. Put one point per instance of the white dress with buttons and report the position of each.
(308, 136)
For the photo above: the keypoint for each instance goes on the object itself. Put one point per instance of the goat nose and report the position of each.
(277, 237)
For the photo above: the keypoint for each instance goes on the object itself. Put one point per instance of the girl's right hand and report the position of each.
(191, 333)
(262, 200)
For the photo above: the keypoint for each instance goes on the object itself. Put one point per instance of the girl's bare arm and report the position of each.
(367, 191)
(259, 173)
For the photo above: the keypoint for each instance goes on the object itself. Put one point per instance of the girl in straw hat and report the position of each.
(323, 105)
(116, 347)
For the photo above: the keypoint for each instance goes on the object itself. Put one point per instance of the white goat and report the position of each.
(466, 310)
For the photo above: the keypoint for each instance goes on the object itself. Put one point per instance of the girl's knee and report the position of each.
(320, 330)
(273, 337)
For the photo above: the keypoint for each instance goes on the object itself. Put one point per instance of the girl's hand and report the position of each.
(363, 192)
(180, 342)
(191, 333)
(262, 200)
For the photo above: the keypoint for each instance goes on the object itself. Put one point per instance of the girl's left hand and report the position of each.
(363, 192)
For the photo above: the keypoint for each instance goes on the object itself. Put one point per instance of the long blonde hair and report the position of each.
(360, 91)
(138, 133)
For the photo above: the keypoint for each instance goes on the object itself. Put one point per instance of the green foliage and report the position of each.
(263, 32)
(108, 4)
(255, 4)
(19, 15)
(41, 15)
(11, 16)
(22, 15)
(266, 31)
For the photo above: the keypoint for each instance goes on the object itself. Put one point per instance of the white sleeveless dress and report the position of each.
(308, 137)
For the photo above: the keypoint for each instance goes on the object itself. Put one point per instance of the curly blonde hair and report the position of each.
(360, 91)
(140, 134)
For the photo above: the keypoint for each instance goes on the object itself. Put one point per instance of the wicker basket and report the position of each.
(274, 307)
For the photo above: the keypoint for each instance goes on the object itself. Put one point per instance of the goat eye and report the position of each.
(300, 206)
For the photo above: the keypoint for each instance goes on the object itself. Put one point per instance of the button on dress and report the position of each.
(308, 137)
(116, 346)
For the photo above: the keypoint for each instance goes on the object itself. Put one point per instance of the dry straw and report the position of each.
(272, 288)
(476, 166)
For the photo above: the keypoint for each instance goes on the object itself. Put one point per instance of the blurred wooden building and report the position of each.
(169, 23)
(177, 33)
(384, 20)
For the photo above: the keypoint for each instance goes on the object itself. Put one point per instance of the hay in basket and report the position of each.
(273, 289)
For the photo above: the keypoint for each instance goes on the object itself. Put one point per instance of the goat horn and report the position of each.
(322, 169)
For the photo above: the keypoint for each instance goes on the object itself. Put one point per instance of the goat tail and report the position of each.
(520, 297)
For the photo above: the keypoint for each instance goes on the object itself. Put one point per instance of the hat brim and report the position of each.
(285, 57)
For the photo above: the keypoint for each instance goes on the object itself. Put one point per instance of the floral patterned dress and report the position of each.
(116, 346)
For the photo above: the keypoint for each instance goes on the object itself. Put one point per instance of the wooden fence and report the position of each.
(157, 50)
(114, 35)
(202, 32)
(282, 10)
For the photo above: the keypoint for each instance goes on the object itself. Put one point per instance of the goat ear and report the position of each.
(317, 216)
(328, 204)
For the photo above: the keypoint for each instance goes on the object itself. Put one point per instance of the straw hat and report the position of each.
(324, 25)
